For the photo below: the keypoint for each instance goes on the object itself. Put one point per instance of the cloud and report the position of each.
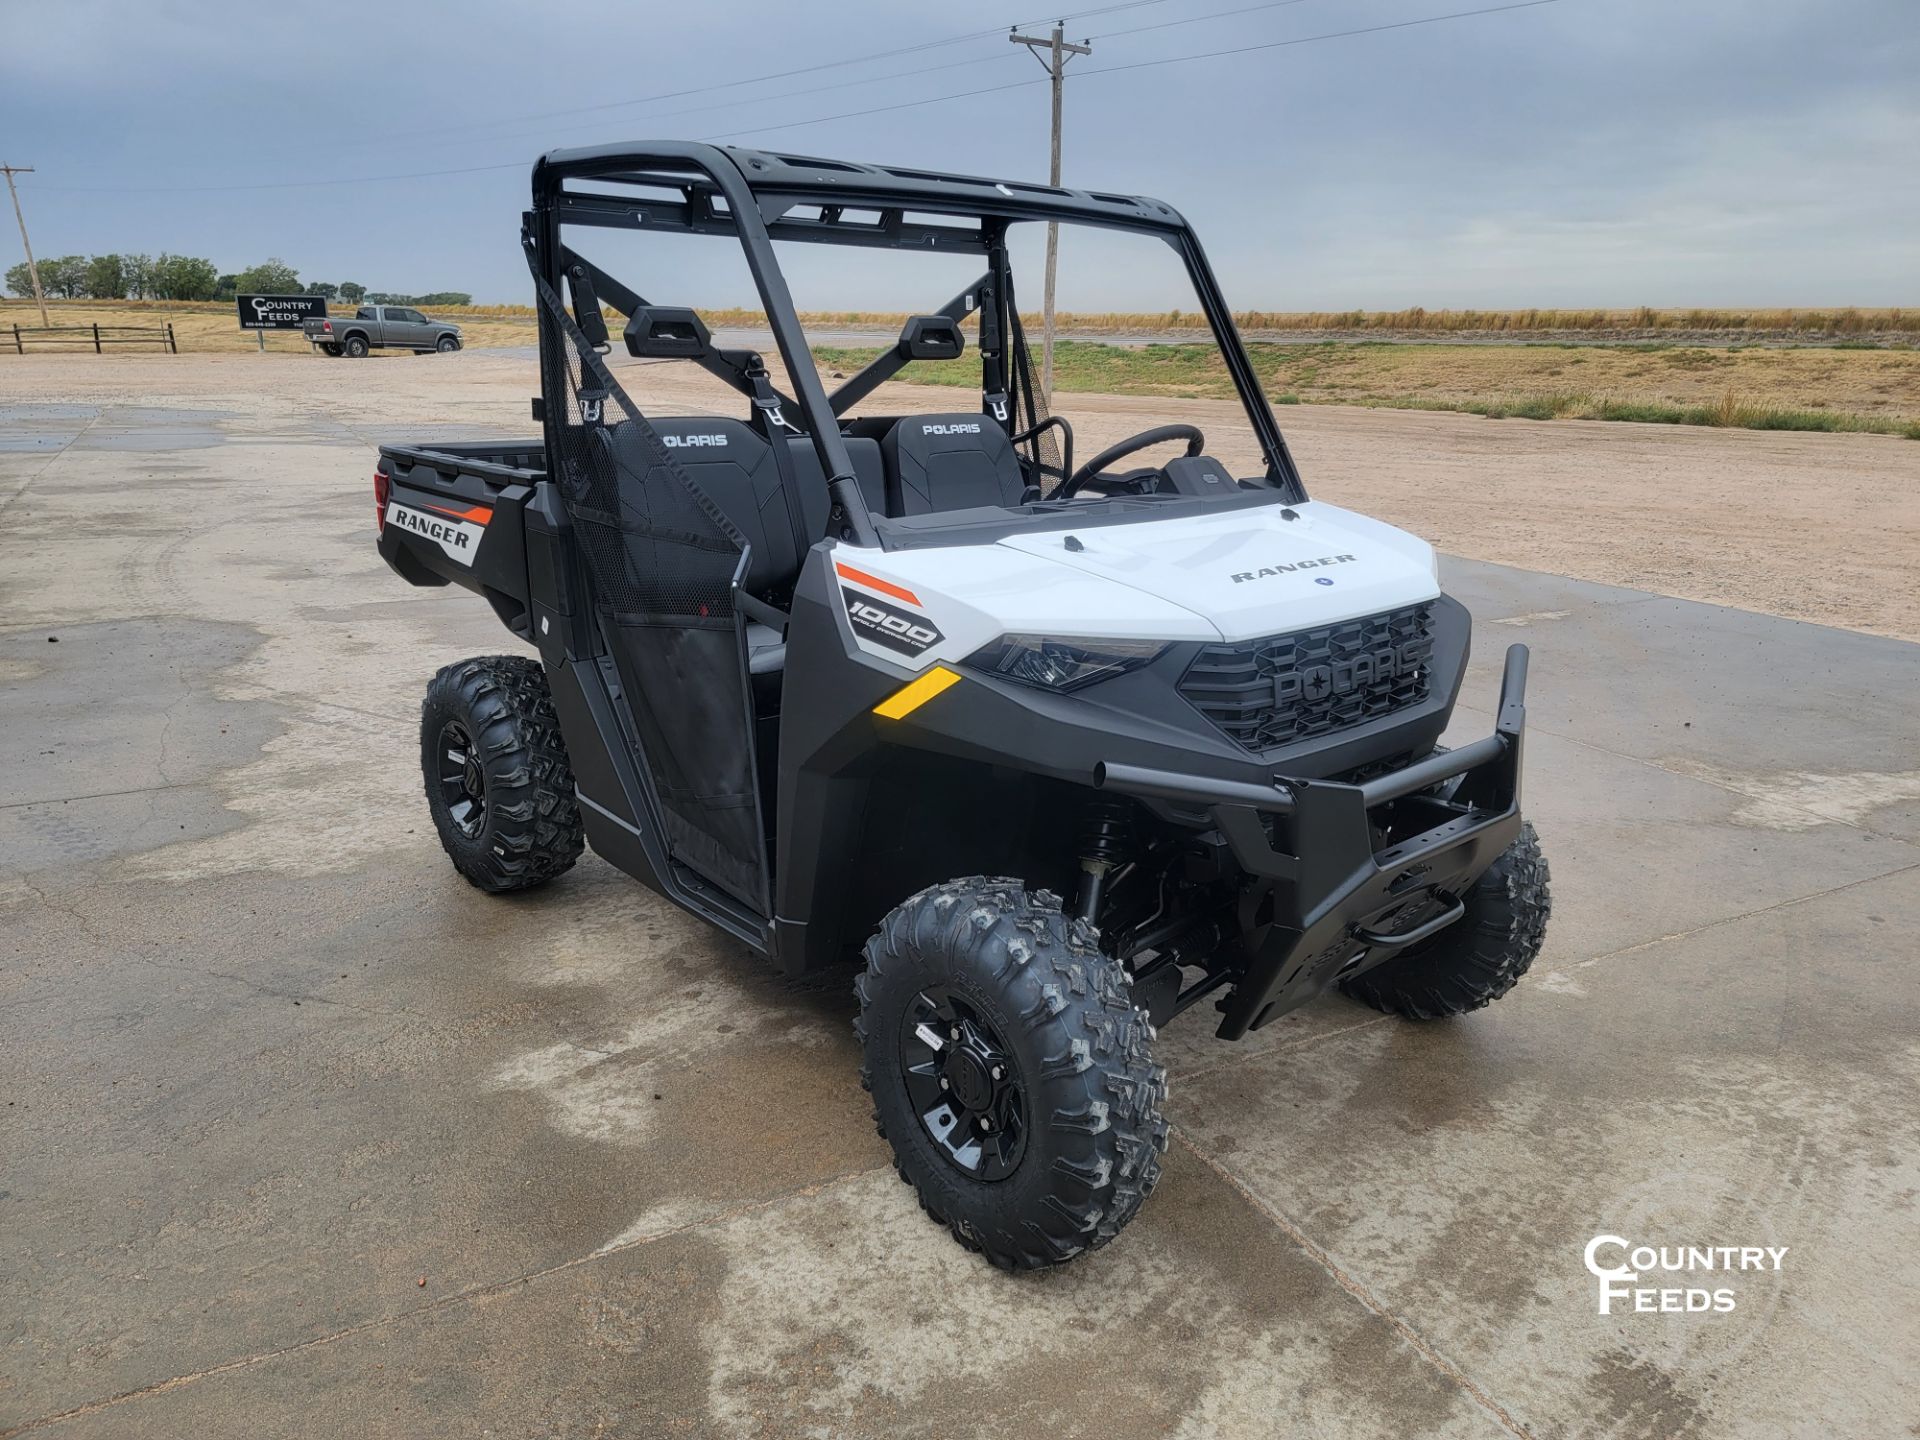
(1584, 152)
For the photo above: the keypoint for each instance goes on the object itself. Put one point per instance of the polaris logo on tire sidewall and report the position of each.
(457, 533)
(903, 631)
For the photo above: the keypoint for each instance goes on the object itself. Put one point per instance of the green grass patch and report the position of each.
(1530, 407)
(1732, 414)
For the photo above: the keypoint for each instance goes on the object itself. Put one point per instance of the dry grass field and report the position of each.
(213, 328)
(1751, 388)
(1870, 383)
(1808, 325)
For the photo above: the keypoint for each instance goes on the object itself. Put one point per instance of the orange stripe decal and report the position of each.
(885, 587)
(479, 514)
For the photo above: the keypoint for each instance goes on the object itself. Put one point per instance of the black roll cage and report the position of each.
(751, 195)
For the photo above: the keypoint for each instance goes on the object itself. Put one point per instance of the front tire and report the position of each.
(447, 345)
(1478, 958)
(1010, 1071)
(498, 781)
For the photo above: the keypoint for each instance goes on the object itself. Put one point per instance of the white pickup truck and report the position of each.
(376, 327)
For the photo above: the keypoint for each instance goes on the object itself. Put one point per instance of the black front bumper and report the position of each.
(1341, 877)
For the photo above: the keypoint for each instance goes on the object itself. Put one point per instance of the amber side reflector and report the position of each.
(909, 698)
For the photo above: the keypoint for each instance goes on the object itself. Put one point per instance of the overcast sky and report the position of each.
(1580, 152)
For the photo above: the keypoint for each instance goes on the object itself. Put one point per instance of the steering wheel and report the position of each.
(1146, 439)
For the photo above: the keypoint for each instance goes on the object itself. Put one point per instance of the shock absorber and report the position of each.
(1106, 838)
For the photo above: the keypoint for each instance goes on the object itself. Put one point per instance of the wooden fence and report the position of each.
(67, 337)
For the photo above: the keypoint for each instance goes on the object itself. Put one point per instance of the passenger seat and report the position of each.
(950, 462)
(734, 467)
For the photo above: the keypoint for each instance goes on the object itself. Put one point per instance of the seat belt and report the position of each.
(767, 401)
(993, 366)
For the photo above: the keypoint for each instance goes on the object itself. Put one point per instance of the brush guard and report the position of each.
(1341, 877)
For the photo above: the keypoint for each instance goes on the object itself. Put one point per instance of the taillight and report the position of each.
(382, 484)
(327, 325)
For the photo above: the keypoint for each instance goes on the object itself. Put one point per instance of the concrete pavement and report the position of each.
(302, 1136)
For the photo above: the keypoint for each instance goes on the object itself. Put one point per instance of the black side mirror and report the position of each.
(932, 337)
(667, 332)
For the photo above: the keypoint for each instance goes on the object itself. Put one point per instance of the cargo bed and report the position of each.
(452, 513)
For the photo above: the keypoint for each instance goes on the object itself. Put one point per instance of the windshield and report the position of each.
(1132, 348)
(931, 352)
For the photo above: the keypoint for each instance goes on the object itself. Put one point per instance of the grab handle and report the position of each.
(1373, 939)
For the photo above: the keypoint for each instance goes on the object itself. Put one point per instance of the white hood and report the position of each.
(1235, 575)
(1249, 573)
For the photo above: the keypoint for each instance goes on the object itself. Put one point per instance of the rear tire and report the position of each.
(1478, 958)
(355, 347)
(331, 349)
(1047, 1134)
(498, 781)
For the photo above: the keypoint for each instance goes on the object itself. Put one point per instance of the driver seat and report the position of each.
(950, 462)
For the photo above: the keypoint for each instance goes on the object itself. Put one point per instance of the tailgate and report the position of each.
(457, 517)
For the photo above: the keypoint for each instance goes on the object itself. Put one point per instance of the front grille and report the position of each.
(1288, 688)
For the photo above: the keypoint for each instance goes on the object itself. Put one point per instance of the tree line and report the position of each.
(189, 277)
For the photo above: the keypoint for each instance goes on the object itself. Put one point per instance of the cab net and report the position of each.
(661, 561)
(1028, 409)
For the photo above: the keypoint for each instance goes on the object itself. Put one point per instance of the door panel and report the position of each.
(660, 562)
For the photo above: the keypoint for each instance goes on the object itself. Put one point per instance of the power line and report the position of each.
(994, 59)
(679, 94)
(478, 139)
(272, 184)
(825, 119)
(604, 106)
(1334, 35)
(1197, 19)
(1144, 65)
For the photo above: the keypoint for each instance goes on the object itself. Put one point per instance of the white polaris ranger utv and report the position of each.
(1058, 750)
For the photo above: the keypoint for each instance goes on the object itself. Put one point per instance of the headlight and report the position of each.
(1050, 663)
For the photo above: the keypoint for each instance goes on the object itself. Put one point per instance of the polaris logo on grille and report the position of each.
(1353, 672)
(684, 442)
(1240, 576)
(958, 428)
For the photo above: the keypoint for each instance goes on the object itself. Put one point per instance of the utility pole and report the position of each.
(34, 270)
(1055, 60)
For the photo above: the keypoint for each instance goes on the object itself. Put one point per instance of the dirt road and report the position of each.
(1824, 528)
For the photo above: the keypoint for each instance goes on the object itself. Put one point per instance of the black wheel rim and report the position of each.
(963, 1084)
(463, 784)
